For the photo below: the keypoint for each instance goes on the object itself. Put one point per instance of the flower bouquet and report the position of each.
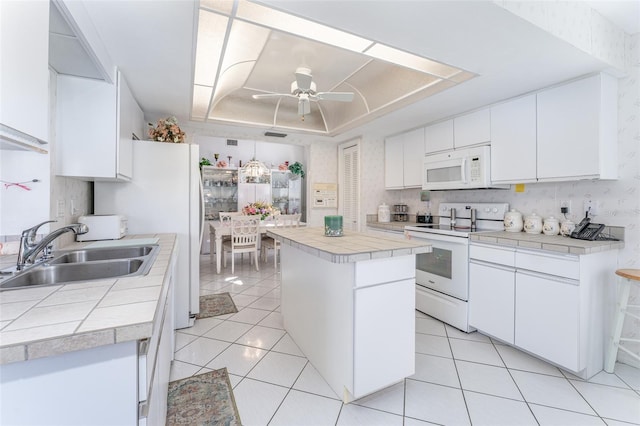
(167, 130)
(260, 208)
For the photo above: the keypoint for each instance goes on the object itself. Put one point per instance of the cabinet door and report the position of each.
(128, 115)
(393, 162)
(24, 85)
(513, 141)
(472, 129)
(378, 363)
(438, 137)
(492, 300)
(86, 128)
(569, 131)
(547, 318)
(413, 154)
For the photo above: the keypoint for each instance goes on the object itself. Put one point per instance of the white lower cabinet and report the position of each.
(492, 300)
(554, 306)
(547, 318)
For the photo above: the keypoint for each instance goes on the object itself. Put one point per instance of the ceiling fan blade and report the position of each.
(335, 96)
(303, 79)
(304, 106)
(272, 95)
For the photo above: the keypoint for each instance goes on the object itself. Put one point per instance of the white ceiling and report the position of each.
(153, 44)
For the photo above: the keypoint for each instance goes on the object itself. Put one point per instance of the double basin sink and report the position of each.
(86, 265)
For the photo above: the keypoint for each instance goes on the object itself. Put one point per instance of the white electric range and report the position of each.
(442, 276)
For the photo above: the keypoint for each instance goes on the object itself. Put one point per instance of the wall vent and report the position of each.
(232, 142)
(276, 135)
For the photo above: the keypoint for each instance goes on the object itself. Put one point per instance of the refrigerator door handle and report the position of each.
(202, 221)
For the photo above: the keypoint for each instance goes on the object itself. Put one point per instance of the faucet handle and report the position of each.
(30, 233)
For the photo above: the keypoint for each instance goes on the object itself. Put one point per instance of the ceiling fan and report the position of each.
(304, 89)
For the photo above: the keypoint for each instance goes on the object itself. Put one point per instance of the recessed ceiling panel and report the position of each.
(382, 83)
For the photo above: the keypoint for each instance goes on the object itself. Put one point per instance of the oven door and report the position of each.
(446, 268)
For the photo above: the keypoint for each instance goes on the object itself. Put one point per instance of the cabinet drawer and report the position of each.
(561, 266)
(387, 270)
(502, 256)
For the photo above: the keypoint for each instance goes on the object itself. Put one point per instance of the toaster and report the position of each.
(103, 227)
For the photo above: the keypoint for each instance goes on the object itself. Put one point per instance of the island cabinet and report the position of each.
(551, 305)
(404, 156)
(24, 71)
(513, 141)
(96, 124)
(350, 310)
(577, 130)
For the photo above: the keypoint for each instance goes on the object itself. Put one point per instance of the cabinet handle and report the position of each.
(549, 277)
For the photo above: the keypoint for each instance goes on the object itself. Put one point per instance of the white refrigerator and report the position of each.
(164, 196)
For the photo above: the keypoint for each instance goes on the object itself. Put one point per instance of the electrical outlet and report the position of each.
(590, 207)
(565, 204)
(60, 212)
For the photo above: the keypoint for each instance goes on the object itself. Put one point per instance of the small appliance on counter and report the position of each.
(424, 217)
(103, 227)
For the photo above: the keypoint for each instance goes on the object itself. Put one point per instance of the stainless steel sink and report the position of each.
(88, 255)
(86, 265)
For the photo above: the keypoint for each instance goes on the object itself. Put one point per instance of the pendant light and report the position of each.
(255, 171)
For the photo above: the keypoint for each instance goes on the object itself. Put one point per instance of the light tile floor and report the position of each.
(460, 378)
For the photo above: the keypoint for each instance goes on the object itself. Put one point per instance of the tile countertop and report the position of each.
(391, 226)
(555, 243)
(51, 320)
(351, 247)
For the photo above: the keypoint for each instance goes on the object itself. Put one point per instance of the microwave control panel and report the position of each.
(475, 169)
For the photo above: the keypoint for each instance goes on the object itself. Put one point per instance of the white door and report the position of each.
(349, 184)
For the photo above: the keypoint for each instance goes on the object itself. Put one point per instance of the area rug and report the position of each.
(212, 305)
(205, 399)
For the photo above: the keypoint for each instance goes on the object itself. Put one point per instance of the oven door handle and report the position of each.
(464, 171)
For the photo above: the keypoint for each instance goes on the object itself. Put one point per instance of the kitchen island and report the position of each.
(349, 304)
(90, 352)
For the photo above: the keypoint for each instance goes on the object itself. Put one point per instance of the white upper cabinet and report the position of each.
(393, 159)
(24, 85)
(95, 126)
(413, 155)
(472, 129)
(577, 130)
(513, 141)
(438, 137)
(404, 155)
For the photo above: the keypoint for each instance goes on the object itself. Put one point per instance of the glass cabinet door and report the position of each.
(286, 191)
(220, 187)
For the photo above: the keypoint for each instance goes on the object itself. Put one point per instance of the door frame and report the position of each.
(357, 142)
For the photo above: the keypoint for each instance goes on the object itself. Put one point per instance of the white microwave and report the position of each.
(466, 168)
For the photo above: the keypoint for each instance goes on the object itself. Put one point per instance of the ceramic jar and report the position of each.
(384, 213)
(566, 228)
(513, 221)
(551, 226)
(533, 224)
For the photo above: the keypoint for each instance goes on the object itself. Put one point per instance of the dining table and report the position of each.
(217, 230)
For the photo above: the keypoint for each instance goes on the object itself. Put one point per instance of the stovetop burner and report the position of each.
(489, 217)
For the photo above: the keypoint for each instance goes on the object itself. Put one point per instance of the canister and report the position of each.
(551, 226)
(384, 213)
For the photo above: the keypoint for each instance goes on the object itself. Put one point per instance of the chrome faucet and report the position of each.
(29, 248)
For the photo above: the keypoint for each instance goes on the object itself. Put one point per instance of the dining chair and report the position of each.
(225, 219)
(283, 221)
(245, 231)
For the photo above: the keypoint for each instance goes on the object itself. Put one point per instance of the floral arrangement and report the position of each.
(297, 169)
(167, 130)
(221, 163)
(260, 208)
